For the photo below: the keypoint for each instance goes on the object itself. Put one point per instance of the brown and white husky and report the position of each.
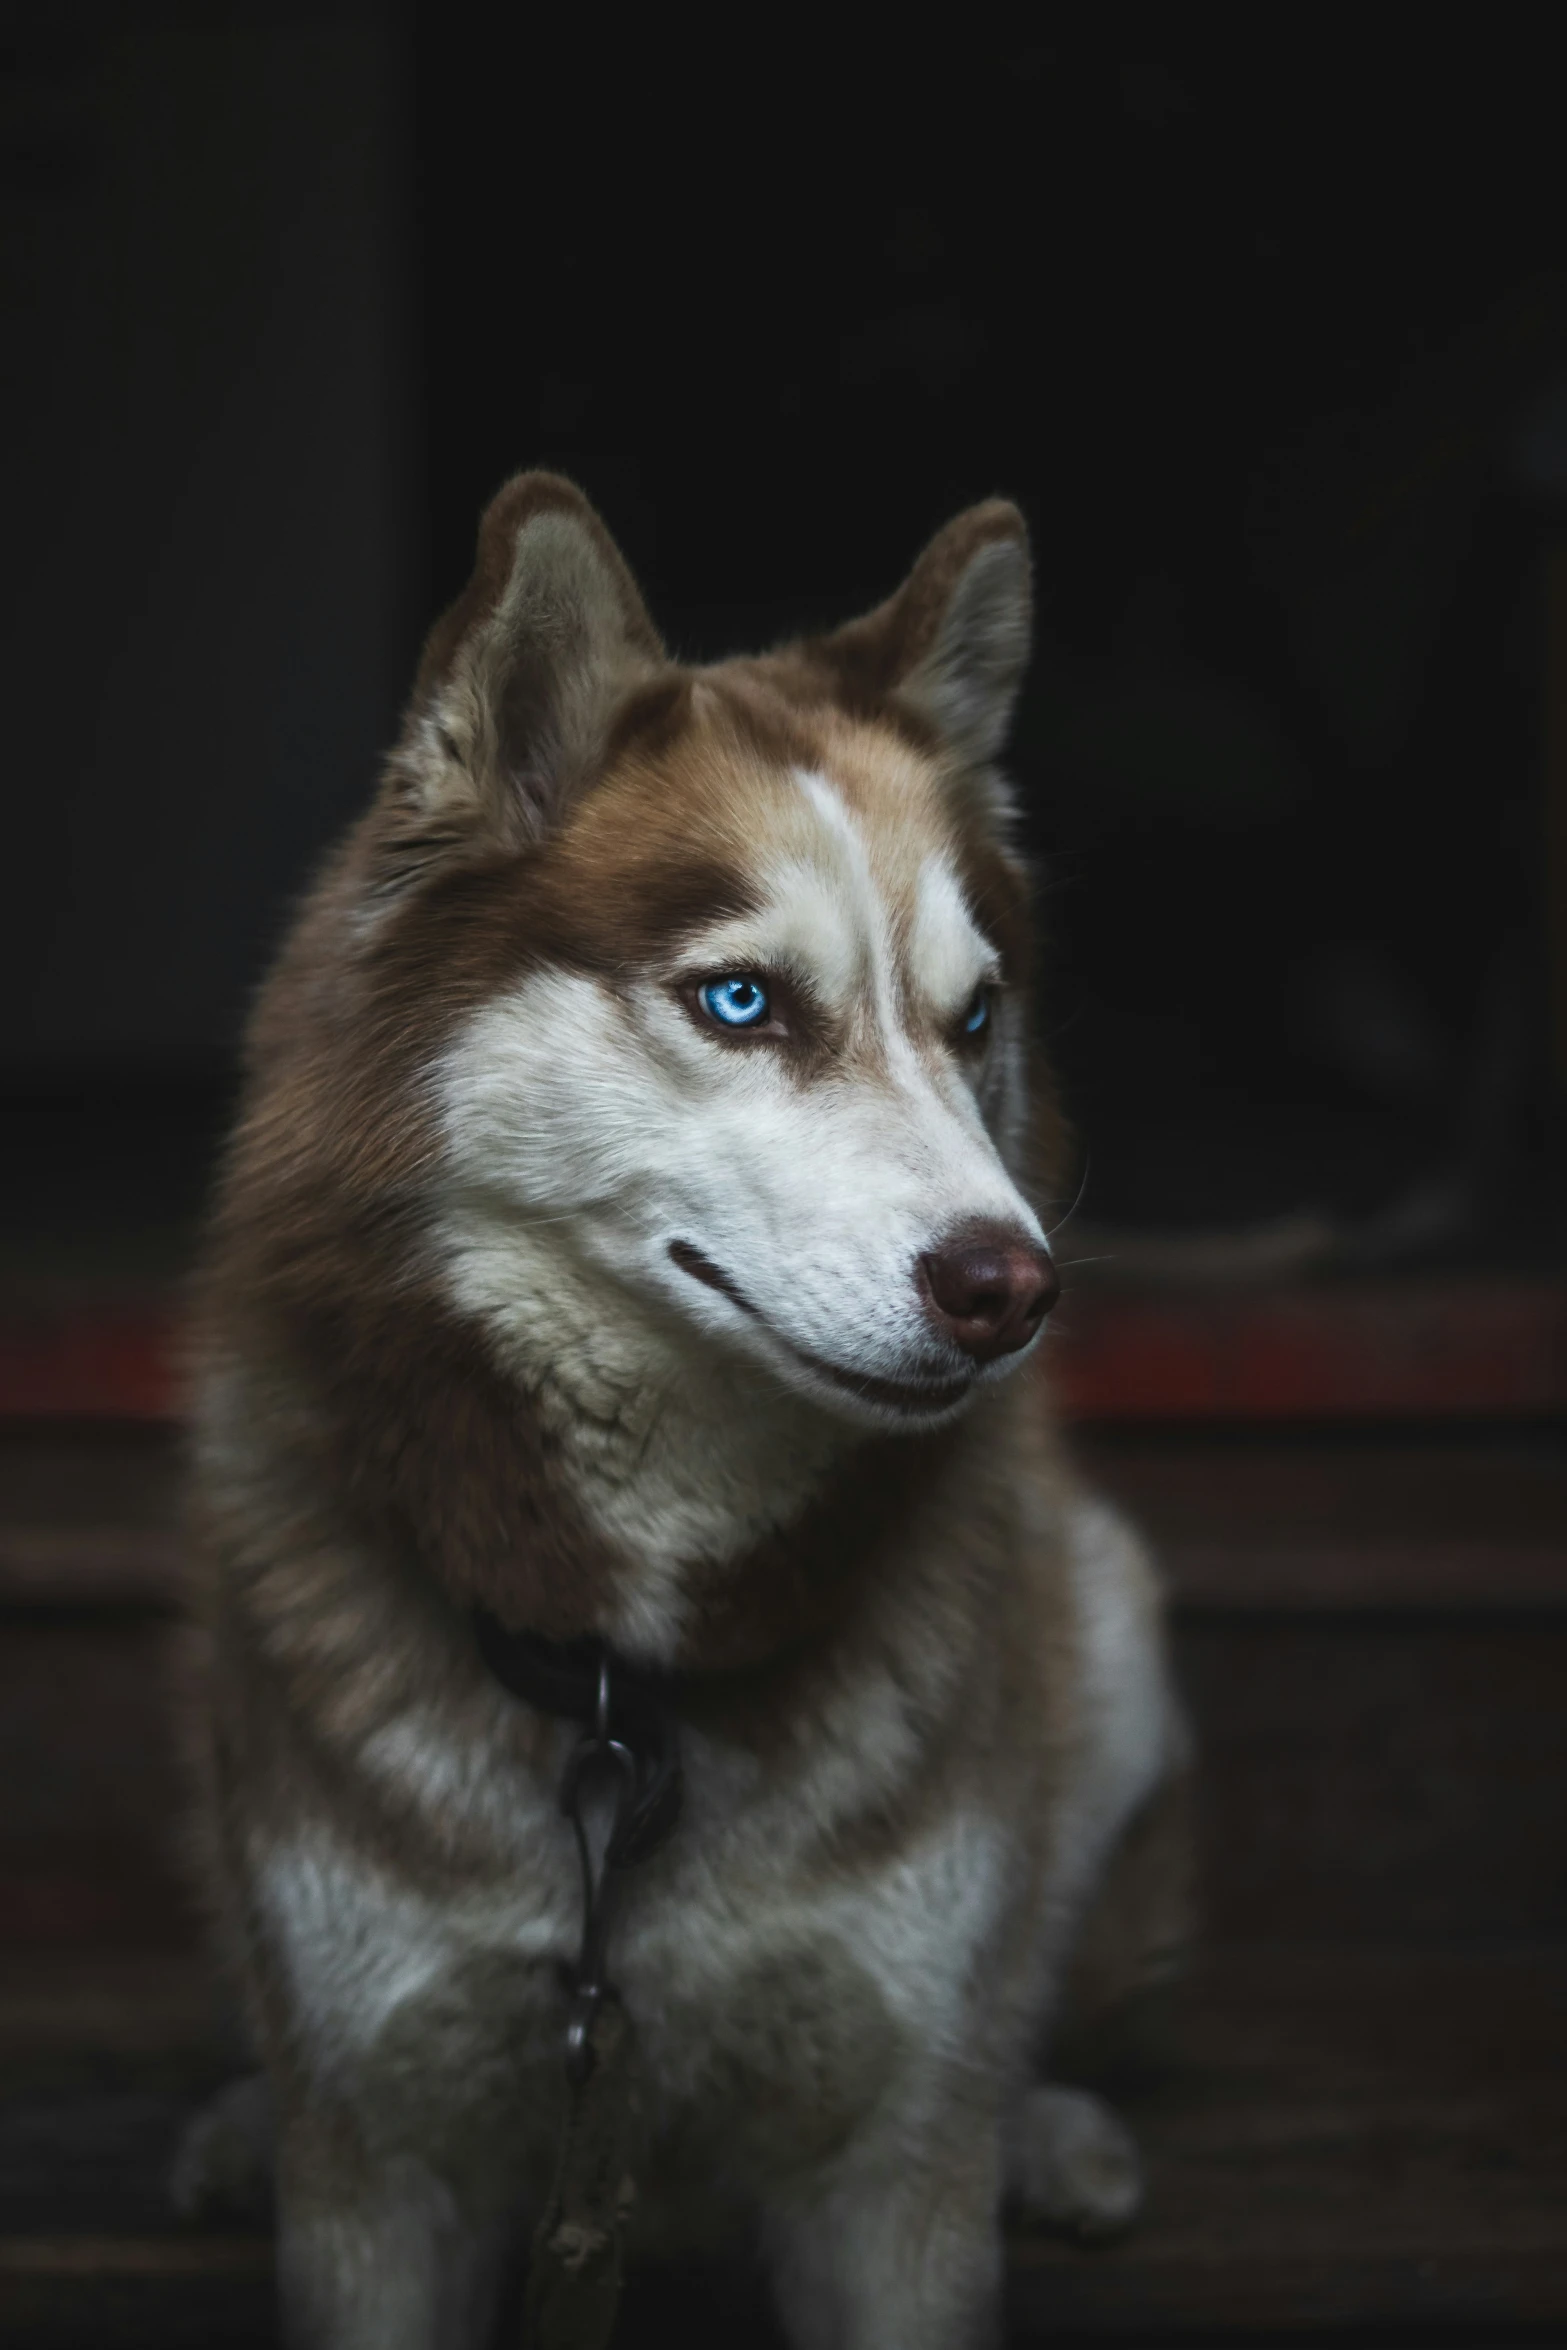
(630, 1232)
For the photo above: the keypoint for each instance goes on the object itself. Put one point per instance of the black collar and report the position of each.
(617, 1703)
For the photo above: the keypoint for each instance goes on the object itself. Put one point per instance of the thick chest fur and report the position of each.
(835, 1928)
(769, 2018)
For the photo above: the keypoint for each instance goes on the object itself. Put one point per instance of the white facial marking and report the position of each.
(947, 953)
(864, 908)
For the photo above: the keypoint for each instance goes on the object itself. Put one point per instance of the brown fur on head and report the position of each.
(442, 1224)
(548, 662)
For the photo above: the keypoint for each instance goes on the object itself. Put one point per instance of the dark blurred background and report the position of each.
(1266, 329)
(1263, 319)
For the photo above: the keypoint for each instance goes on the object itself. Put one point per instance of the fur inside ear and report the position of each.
(953, 643)
(968, 681)
(518, 681)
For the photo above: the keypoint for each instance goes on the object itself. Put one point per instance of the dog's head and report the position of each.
(737, 956)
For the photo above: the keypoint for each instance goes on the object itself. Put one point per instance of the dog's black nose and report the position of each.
(990, 1290)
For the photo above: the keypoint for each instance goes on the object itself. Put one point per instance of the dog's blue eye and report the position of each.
(735, 1002)
(977, 1017)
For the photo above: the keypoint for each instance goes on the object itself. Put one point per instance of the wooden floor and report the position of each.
(1360, 2131)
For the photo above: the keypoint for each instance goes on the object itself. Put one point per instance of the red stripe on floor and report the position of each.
(85, 1362)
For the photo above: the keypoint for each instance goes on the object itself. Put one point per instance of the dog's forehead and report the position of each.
(872, 879)
(839, 826)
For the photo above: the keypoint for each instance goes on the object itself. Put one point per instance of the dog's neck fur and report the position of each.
(682, 1456)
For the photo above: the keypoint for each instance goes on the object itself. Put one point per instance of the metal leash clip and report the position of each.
(623, 1781)
(598, 1760)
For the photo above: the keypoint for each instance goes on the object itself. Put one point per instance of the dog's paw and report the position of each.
(223, 2168)
(1073, 2164)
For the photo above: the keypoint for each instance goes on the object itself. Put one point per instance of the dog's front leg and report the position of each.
(898, 2248)
(377, 2255)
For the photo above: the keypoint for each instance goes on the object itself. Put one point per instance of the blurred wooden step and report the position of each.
(89, 1515)
(1456, 1348)
(102, 2057)
(1318, 1521)
(1351, 2140)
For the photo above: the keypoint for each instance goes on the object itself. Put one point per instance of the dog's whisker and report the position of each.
(1077, 1201)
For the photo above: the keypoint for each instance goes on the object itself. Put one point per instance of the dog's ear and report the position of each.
(953, 642)
(518, 681)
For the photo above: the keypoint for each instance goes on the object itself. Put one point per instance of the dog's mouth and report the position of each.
(923, 1398)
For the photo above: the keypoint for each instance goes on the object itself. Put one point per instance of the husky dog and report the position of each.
(629, 1233)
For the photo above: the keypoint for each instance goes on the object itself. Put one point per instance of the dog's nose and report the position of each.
(990, 1290)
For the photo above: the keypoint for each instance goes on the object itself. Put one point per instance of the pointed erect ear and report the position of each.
(953, 643)
(518, 680)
